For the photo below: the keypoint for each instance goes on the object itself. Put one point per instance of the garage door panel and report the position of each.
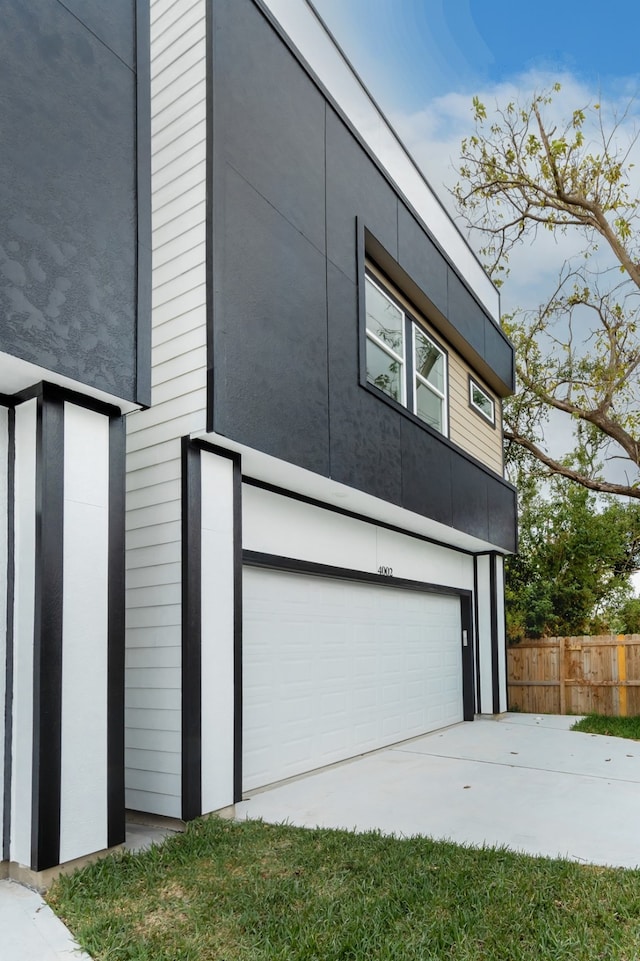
(336, 668)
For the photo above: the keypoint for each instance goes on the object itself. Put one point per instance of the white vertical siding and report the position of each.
(217, 632)
(178, 130)
(25, 543)
(502, 640)
(484, 634)
(83, 801)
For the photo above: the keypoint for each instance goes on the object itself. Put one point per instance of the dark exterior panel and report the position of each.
(502, 504)
(113, 23)
(365, 434)
(286, 364)
(499, 355)
(68, 283)
(422, 260)
(469, 498)
(465, 314)
(270, 333)
(143, 196)
(355, 188)
(269, 117)
(427, 468)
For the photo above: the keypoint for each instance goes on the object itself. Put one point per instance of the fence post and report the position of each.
(622, 677)
(561, 675)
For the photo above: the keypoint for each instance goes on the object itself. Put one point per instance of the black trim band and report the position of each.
(237, 629)
(466, 625)
(116, 635)
(47, 654)
(296, 566)
(191, 632)
(143, 199)
(56, 392)
(477, 635)
(209, 211)
(9, 660)
(495, 660)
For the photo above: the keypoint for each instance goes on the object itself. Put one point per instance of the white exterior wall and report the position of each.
(178, 128)
(502, 639)
(25, 542)
(85, 592)
(275, 524)
(484, 634)
(217, 631)
(83, 796)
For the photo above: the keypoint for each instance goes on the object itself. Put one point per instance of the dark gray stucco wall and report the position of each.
(293, 190)
(68, 189)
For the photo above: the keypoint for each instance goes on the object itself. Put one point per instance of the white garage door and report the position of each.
(335, 668)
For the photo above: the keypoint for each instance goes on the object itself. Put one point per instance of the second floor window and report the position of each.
(403, 360)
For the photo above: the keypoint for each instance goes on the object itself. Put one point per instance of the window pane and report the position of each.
(428, 406)
(480, 400)
(383, 371)
(384, 319)
(429, 361)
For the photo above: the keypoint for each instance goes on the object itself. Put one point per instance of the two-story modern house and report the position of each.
(316, 512)
(316, 507)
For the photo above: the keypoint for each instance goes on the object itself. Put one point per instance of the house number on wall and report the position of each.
(386, 571)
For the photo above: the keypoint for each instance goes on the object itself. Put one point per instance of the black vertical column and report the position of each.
(495, 657)
(47, 647)
(237, 629)
(9, 659)
(191, 632)
(116, 635)
(468, 694)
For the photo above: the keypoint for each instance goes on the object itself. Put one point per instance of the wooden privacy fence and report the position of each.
(575, 675)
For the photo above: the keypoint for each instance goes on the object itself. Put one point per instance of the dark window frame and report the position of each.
(473, 382)
(410, 322)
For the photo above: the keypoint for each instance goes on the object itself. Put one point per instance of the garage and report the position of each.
(335, 667)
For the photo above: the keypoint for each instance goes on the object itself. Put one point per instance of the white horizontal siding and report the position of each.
(153, 520)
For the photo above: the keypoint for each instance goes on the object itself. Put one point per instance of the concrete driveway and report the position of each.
(523, 781)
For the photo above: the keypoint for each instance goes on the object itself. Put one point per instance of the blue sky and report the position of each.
(409, 51)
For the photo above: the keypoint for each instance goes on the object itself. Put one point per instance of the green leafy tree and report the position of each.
(578, 352)
(628, 621)
(572, 573)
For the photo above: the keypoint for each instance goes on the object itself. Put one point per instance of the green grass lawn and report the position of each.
(246, 892)
(616, 726)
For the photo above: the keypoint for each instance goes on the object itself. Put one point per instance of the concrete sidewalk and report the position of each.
(523, 781)
(30, 931)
